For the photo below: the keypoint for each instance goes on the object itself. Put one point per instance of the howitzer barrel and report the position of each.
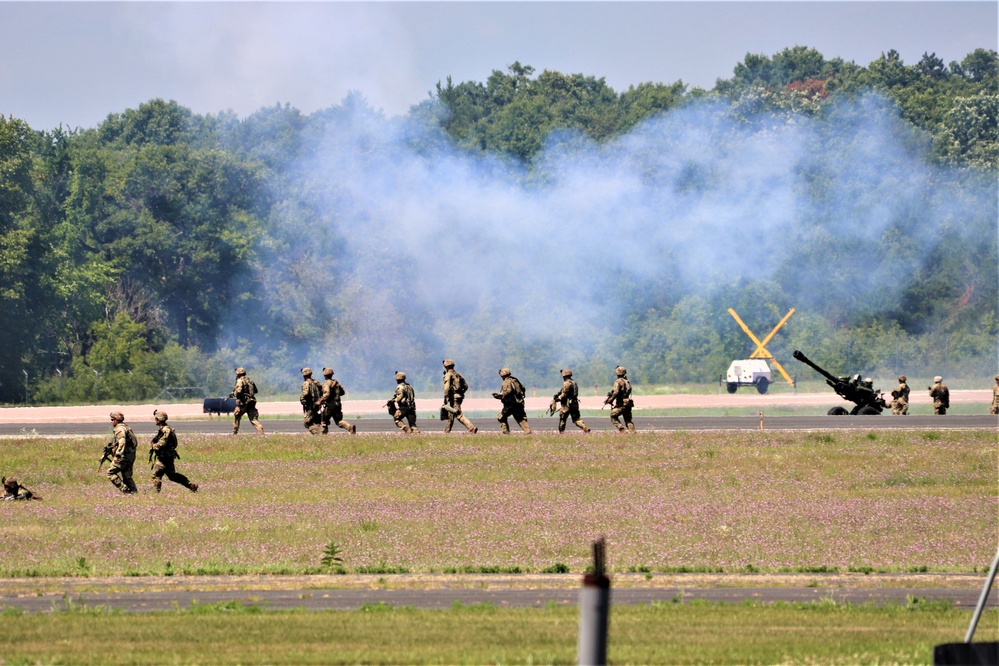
(804, 359)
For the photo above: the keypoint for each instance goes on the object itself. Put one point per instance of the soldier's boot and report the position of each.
(326, 430)
(447, 427)
(259, 428)
(406, 429)
(525, 427)
(235, 429)
(157, 485)
(463, 420)
(631, 427)
(193, 487)
(504, 428)
(414, 430)
(351, 428)
(314, 429)
(583, 426)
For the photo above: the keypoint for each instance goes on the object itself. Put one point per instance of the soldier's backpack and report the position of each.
(315, 392)
(518, 390)
(251, 387)
(462, 384)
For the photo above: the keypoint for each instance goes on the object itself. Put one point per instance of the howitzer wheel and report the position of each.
(838, 411)
(868, 410)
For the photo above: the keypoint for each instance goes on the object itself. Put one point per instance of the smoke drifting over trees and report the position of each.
(377, 244)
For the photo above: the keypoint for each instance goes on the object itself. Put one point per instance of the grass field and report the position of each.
(666, 502)
(747, 501)
(649, 634)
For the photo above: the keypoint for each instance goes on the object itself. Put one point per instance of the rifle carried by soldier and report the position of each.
(108, 454)
(552, 406)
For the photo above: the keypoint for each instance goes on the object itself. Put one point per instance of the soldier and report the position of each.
(455, 387)
(403, 405)
(941, 396)
(311, 393)
(245, 392)
(123, 451)
(511, 394)
(330, 409)
(12, 491)
(994, 409)
(900, 398)
(568, 398)
(620, 401)
(162, 453)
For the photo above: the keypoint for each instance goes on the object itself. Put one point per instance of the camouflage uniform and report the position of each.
(454, 394)
(13, 491)
(163, 451)
(620, 401)
(311, 393)
(246, 402)
(568, 398)
(331, 411)
(941, 396)
(512, 396)
(900, 398)
(124, 446)
(994, 409)
(404, 401)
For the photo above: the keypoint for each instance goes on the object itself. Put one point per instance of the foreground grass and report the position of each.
(821, 633)
(678, 501)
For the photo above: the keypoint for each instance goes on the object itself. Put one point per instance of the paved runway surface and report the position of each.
(540, 425)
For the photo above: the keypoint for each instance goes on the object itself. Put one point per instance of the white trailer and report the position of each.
(748, 372)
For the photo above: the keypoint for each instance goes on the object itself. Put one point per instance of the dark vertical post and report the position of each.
(594, 609)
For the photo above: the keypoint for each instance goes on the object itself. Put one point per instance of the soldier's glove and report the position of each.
(497, 396)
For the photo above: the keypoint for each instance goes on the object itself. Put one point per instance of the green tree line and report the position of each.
(162, 248)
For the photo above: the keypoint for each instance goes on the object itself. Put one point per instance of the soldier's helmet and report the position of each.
(566, 373)
(505, 372)
(160, 416)
(620, 372)
(997, 376)
(240, 372)
(901, 378)
(306, 372)
(937, 379)
(11, 485)
(400, 376)
(117, 416)
(327, 372)
(448, 363)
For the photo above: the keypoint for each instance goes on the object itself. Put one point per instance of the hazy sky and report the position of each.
(74, 63)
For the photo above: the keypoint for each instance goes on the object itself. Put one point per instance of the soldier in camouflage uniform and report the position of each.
(900, 398)
(455, 387)
(123, 450)
(941, 396)
(994, 409)
(620, 401)
(162, 452)
(331, 410)
(568, 398)
(13, 491)
(245, 392)
(311, 394)
(403, 404)
(511, 394)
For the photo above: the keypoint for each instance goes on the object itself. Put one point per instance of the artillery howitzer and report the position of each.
(860, 393)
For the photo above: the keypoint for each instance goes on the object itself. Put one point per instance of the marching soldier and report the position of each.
(403, 405)
(330, 408)
(568, 398)
(941, 396)
(994, 409)
(311, 393)
(162, 453)
(245, 392)
(620, 401)
(124, 445)
(511, 394)
(900, 398)
(455, 387)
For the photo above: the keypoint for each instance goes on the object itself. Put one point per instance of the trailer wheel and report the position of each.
(731, 387)
(837, 411)
(762, 384)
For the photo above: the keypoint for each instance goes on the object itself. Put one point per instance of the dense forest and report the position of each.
(534, 220)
